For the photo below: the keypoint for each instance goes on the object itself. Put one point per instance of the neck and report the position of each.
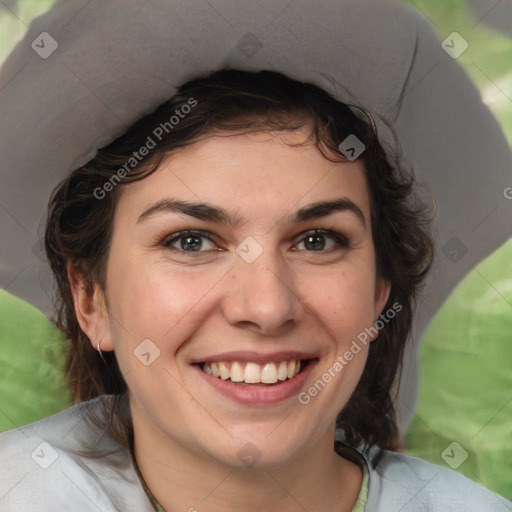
(180, 479)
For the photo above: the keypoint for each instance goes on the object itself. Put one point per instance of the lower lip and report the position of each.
(261, 395)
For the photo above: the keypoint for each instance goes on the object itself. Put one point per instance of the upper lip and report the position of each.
(255, 357)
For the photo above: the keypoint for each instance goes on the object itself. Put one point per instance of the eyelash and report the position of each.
(341, 241)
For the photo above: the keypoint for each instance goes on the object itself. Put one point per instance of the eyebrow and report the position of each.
(325, 208)
(200, 211)
(206, 212)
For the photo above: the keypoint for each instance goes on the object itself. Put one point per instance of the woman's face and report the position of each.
(251, 291)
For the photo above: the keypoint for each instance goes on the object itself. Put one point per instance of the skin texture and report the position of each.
(292, 297)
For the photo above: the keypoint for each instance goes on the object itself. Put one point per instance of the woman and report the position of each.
(233, 271)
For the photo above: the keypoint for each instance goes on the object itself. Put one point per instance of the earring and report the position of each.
(101, 354)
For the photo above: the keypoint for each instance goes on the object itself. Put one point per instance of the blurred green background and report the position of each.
(466, 355)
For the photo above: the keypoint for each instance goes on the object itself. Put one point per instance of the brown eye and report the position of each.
(322, 240)
(314, 242)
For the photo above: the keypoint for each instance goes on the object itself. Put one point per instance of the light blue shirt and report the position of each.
(47, 467)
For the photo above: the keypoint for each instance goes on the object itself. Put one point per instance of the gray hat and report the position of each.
(87, 70)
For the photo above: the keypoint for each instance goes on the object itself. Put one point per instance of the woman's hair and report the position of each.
(230, 102)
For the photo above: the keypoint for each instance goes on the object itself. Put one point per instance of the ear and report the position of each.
(90, 309)
(382, 291)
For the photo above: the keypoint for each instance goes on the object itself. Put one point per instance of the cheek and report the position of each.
(153, 300)
(343, 300)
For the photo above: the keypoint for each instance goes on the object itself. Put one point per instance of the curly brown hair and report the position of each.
(228, 102)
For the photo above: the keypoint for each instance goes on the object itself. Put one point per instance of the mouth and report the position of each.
(249, 373)
(256, 379)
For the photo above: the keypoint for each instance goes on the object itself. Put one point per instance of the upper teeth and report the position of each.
(253, 373)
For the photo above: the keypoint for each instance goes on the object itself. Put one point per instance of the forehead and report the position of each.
(276, 171)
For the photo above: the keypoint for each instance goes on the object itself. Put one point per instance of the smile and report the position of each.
(254, 373)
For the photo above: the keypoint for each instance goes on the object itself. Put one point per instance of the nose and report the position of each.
(262, 296)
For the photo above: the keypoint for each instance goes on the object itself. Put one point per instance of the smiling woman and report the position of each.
(222, 278)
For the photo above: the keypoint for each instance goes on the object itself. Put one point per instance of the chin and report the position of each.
(259, 450)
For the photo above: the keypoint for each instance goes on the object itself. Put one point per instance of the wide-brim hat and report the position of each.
(87, 70)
